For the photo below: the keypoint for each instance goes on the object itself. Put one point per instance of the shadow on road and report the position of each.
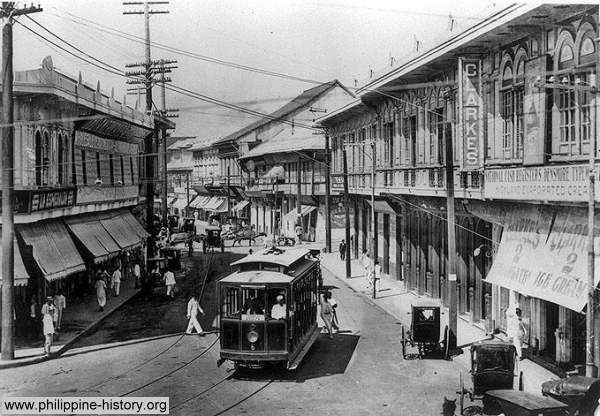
(326, 357)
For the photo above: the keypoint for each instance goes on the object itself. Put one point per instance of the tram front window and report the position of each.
(253, 304)
(230, 302)
(278, 303)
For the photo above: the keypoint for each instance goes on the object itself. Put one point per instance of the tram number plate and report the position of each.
(253, 318)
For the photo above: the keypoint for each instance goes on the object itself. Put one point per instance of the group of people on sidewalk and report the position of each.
(371, 270)
(51, 314)
(125, 266)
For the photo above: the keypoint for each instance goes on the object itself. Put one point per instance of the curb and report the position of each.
(66, 346)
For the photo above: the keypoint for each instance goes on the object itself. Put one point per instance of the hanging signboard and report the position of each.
(543, 254)
(470, 112)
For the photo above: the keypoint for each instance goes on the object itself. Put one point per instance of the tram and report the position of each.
(268, 308)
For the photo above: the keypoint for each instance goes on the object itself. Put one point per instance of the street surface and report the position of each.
(139, 351)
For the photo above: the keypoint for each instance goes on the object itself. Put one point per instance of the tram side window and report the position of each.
(231, 302)
(253, 306)
(277, 302)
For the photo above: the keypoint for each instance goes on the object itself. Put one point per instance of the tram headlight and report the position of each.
(252, 336)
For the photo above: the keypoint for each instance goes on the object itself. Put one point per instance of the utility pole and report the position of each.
(150, 140)
(327, 195)
(451, 221)
(299, 193)
(228, 184)
(347, 212)
(373, 225)
(187, 194)
(8, 12)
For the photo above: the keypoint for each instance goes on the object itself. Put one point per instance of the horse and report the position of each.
(249, 235)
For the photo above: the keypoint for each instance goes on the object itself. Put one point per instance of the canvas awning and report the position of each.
(221, 207)
(134, 224)
(181, 203)
(93, 237)
(383, 206)
(21, 277)
(304, 210)
(200, 201)
(214, 203)
(543, 254)
(120, 230)
(240, 206)
(53, 249)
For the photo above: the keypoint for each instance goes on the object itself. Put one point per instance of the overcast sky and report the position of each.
(311, 39)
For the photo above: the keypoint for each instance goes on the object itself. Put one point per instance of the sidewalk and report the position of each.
(396, 301)
(78, 319)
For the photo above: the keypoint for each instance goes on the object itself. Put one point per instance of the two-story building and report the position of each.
(79, 160)
(506, 95)
(282, 159)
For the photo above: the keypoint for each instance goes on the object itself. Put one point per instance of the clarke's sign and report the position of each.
(470, 112)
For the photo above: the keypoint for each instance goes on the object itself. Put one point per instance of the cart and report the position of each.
(189, 225)
(520, 403)
(580, 393)
(424, 333)
(212, 239)
(172, 256)
(492, 368)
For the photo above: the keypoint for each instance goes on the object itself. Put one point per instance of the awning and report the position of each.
(214, 203)
(53, 249)
(200, 201)
(256, 194)
(120, 230)
(543, 254)
(171, 200)
(21, 276)
(240, 206)
(134, 224)
(383, 206)
(222, 207)
(276, 172)
(304, 210)
(93, 236)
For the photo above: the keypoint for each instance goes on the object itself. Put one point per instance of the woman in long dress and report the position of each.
(101, 293)
(48, 322)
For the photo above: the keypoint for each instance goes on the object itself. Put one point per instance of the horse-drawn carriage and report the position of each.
(424, 332)
(247, 234)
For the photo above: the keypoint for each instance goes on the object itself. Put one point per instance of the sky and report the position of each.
(317, 41)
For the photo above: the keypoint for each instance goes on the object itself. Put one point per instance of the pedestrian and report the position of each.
(327, 314)
(365, 261)
(48, 311)
(190, 247)
(298, 230)
(334, 318)
(170, 282)
(137, 273)
(377, 274)
(343, 250)
(115, 283)
(250, 251)
(105, 277)
(193, 307)
(60, 302)
(101, 292)
(515, 329)
(33, 319)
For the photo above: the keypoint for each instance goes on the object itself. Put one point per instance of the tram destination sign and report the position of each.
(566, 183)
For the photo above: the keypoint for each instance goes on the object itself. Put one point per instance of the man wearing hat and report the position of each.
(48, 311)
(278, 310)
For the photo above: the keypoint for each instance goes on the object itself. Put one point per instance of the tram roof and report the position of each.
(257, 277)
(286, 258)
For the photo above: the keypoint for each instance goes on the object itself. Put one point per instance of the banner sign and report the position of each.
(28, 201)
(92, 142)
(337, 181)
(543, 254)
(470, 112)
(568, 183)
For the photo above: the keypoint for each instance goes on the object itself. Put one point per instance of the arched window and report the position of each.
(587, 50)
(38, 158)
(566, 56)
(511, 104)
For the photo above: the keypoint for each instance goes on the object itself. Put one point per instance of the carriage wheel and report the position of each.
(403, 343)
(461, 399)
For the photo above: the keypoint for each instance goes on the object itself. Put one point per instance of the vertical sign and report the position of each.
(470, 112)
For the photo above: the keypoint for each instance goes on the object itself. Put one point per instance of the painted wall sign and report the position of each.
(541, 183)
(90, 141)
(337, 181)
(543, 254)
(470, 112)
(28, 201)
(534, 103)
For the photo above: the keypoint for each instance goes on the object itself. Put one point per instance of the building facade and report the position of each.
(79, 158)
(504, 95)
(281, 159)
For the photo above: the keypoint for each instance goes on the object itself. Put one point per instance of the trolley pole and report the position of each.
(347, 211)
(8, 178)
(327, 195)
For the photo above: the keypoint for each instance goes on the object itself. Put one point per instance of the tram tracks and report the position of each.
(168, 348)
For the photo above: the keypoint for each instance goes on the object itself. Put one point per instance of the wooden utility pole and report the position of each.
(347, 212)
(590, 367)
(299, 194)
(150, 140)
(327, 195)
(8, 12)
(451, 221)
(228, 187)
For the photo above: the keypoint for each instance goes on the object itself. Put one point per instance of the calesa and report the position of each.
(268, 308)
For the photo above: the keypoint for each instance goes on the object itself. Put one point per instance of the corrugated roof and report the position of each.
(183, 143)
(204, 143)
(286, 145)
(300, 101)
